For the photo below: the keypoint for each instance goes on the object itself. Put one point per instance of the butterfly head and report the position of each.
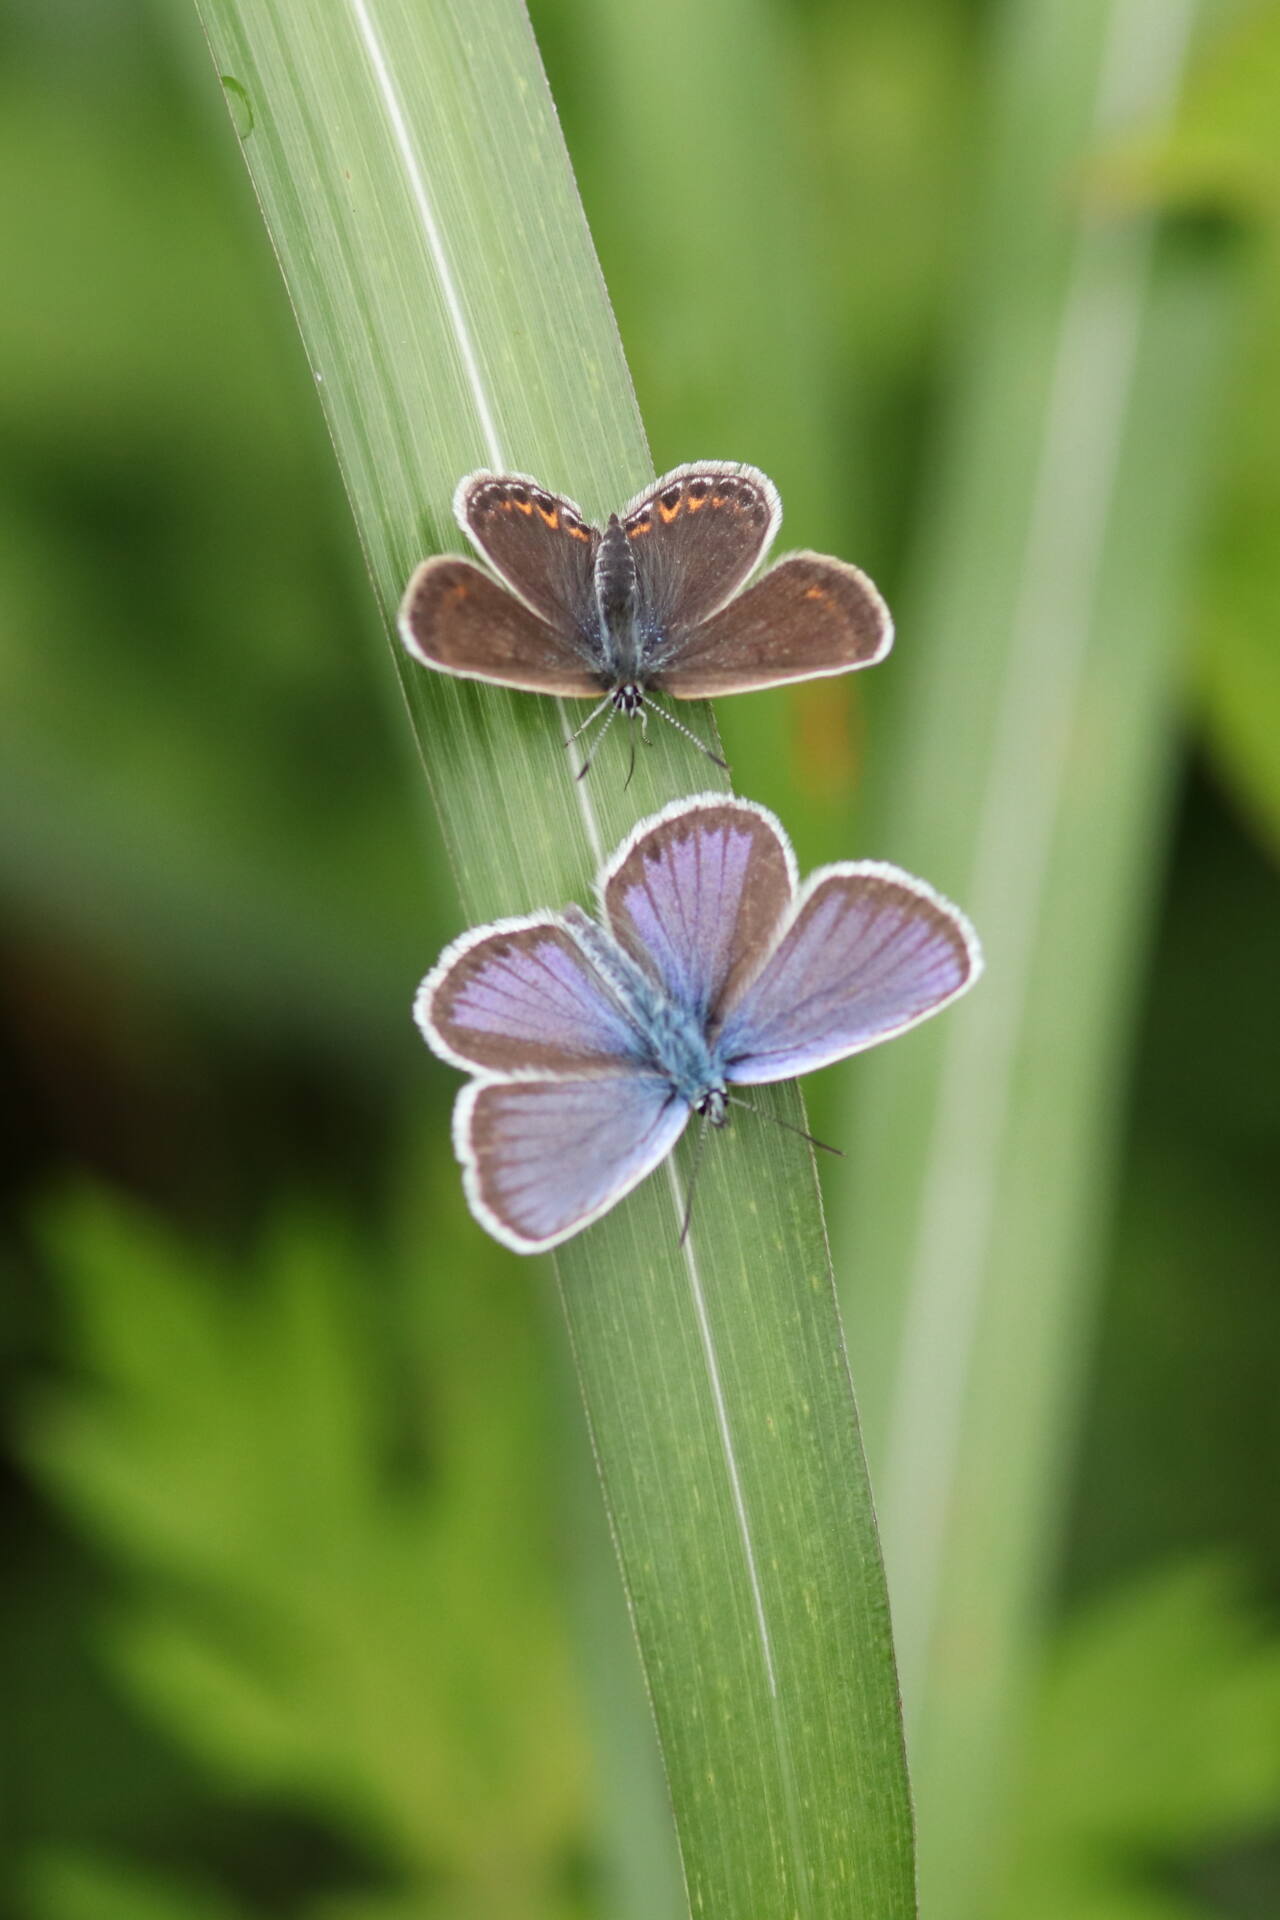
(628, 699)
(714, 1106)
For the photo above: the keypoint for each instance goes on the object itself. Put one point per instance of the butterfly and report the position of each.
(651, 604)
(593, 1042)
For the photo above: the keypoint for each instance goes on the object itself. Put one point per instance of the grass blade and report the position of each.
(417, 192)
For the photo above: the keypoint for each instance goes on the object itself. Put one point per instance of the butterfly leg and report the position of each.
(695, 1170)
(585, 768)
(593, 715)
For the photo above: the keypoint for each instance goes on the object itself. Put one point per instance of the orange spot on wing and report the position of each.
(668, 513)
(719, 500)
(579, 533)
(638, 527)
(815, 593)
(525, 506)
(696, 500)
(551, 515)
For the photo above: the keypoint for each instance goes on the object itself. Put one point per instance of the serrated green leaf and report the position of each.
(1157, 1736)
(66, 1886)
(319, 1621)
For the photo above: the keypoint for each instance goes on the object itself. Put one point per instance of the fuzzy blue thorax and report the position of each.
(671, 1038)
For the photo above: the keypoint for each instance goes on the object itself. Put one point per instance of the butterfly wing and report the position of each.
(456, 619)
(696, 895)
(538, 542)
(582, 1117)
(869, 952)
(809, 616)
(696, 535)
(544, 1158)
(521, 997)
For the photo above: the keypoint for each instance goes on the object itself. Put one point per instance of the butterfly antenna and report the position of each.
(585, 768)
(688, 733)
(593, 715)
(632, 768)
(762, 1115)
(696, 1169)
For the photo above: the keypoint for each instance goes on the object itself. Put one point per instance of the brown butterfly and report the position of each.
(650, 604)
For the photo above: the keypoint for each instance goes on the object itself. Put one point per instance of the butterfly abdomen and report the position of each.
(618, 599)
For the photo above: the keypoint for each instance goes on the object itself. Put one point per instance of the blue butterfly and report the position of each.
(592, 1044)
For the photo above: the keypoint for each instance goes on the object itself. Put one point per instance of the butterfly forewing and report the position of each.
(542, 1159)
(697, 895)
(539, 543)
(522, 997)
(696, 536)
(808, 616)
(456, 619)
(871, 951)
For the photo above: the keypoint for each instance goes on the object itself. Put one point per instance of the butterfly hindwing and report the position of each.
(697, 894)
(456, 619)
(807, 617)
(869, 952)
(696, 535)
(543, 1159)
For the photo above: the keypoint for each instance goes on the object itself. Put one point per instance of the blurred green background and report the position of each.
(295, 1606)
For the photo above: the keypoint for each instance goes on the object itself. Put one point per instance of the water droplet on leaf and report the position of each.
(240, 104)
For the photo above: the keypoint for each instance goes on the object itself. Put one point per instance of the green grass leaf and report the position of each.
(1029, 761)
(419, 197)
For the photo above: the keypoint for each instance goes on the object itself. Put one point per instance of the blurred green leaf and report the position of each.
(1183, 1432)
(1221, 159)
(1157, 1738)
(1026, 766)
(197, 769)
(341, 1585)
(79, 1887)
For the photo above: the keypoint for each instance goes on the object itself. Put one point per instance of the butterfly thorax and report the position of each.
(620, 609)
(672, 1037)
(678, 1046)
